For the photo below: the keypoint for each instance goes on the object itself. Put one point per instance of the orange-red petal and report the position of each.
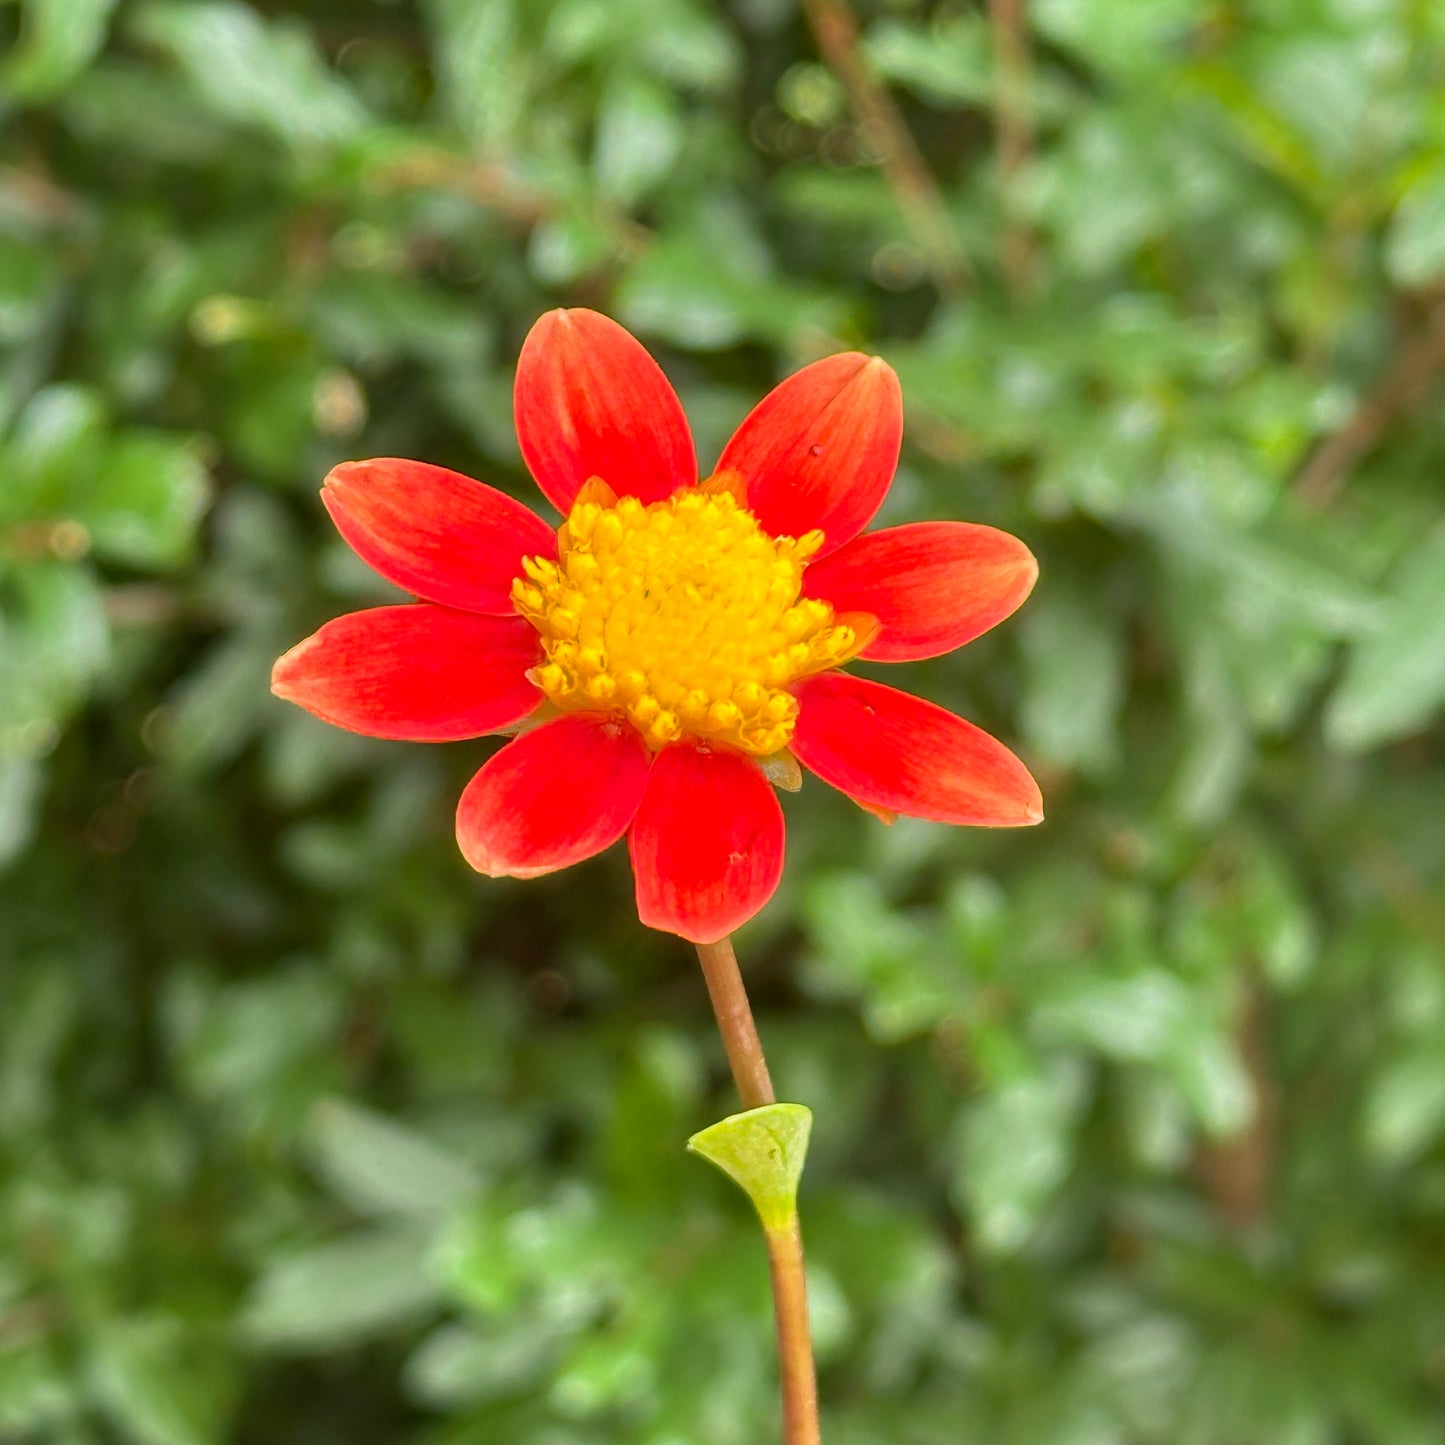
(416, 672)
(932, 585)
(707, 843)
(887, 749)
(590, 402)
(555, 796)
(821, 448)
(434, 532)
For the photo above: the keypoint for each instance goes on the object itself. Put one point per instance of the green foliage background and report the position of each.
(1130, 1130)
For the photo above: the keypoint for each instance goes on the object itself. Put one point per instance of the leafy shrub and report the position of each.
(1129, 1130)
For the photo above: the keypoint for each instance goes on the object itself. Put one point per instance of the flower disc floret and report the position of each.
(684, 616)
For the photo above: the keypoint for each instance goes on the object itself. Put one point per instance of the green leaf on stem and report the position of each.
(762, 1151)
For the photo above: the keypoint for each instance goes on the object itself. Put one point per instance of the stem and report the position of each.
(795, 1344)
(906, 173)
(1414, 370)
(735, 1022)
(1014, 126)
(785, 1244)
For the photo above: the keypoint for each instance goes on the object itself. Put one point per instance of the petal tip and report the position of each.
(283, 671)
(567, 321)
(344, 477)
(489, 868)
(1032, 806)
(1028, 571)
(479, 858)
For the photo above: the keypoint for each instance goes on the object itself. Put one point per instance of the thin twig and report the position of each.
(1418, 363)
(835, 28)
(30, 189)
(483, 182)
(1013, 123)
(1414, 901)
(735, 1023)
(1237, 1174)
(795, 1342)
(492, 187)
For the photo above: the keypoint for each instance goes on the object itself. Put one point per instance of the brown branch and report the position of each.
(1237, 1174)
(482, 182)
(28, 188)
(490, 186)
(29, 1319)
(1013, 123)
(1414, 902)
(835, 28)
(142, 604)
(1417, 364)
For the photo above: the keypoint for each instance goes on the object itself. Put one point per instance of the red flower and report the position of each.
(670, 652)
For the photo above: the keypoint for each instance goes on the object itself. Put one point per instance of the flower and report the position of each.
(672, 650)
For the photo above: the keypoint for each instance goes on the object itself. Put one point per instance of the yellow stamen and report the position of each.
(682, 615)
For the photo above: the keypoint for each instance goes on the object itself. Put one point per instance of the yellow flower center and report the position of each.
(683, 615)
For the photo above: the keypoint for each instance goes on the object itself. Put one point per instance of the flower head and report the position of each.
(671, 651)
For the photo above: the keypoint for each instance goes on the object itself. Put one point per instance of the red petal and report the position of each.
(820, 449)
(555, 796)
(437, 533)
(707, 844)
(932, 585)
(416, 672)
(590, 402)
(888, 749)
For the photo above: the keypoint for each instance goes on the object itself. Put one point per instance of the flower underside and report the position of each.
(684, 616)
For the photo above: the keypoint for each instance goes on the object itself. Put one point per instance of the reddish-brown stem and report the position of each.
(1415, 368)
(1013, 125)
(795, 1342)
(835, 28)
(735, 1023)
(1237, 1173)
(785, 1243)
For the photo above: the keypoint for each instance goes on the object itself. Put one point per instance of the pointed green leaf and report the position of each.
(762, 1151)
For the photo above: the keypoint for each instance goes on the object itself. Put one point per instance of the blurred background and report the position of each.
(1130, 1129)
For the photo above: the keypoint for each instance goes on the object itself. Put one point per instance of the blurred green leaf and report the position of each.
(1014, 1152)
(337, 1293)
(54, 642)
(145, 502)
(58, 40)
(151, 1389)
(485, 71)
(1076, 678)
(253, 71)
(1415, 246)
(947, 62)
(1395, 678)
(20, 781)
(456, 1365)
(639, 136)
(1405, 1108)
(55, 445)
(381, 1168)
(1116, 35)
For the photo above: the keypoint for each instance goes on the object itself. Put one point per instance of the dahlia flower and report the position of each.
(673, 651)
